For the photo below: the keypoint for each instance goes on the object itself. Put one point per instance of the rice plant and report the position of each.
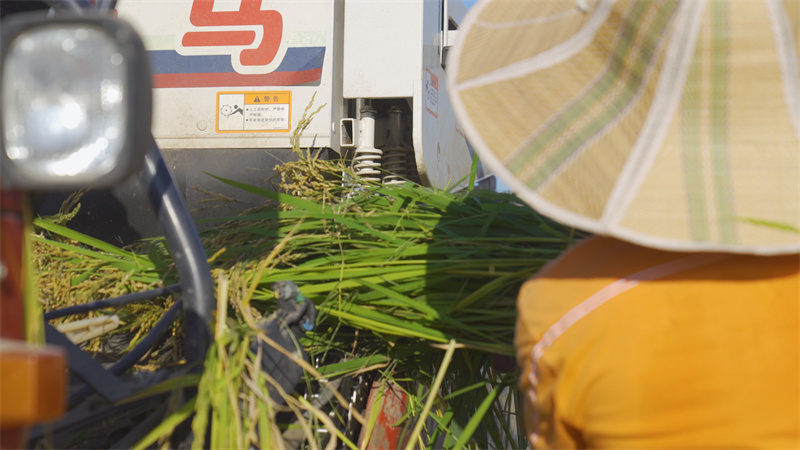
(415, 289)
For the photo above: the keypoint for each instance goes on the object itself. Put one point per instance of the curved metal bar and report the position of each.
(149, 341)
(73, 6)
(118, 301)
(132, 357)
(186, 250)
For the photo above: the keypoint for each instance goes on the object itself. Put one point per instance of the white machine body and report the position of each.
(238, 74)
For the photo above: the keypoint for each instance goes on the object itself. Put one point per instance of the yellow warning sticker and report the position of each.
(254, 112)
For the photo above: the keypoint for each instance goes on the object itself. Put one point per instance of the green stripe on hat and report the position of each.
(692, 160)
(714, 180)
(726, 216)
(623, 62)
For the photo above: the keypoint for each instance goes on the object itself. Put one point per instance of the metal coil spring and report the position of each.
(395, 165)
(367, 159)
(367, 163)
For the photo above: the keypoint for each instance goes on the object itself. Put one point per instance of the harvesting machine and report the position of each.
(231, 80)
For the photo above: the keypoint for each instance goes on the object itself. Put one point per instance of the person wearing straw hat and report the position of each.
(670, 130)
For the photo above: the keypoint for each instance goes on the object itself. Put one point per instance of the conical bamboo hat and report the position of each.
(671, 124)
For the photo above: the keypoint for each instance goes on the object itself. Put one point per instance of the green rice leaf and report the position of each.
(771, 224)
(92, 242)
(476, 419)
(430, 313)
(345, 367)
(167, 425)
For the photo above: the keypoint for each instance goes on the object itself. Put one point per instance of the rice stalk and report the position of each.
(437, 382)
(395, 271)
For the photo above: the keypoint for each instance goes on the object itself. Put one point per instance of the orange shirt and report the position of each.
(623, 346)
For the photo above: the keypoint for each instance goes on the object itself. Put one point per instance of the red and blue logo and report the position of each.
(236, 48)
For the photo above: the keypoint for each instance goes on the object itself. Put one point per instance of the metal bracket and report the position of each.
(89, 370)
